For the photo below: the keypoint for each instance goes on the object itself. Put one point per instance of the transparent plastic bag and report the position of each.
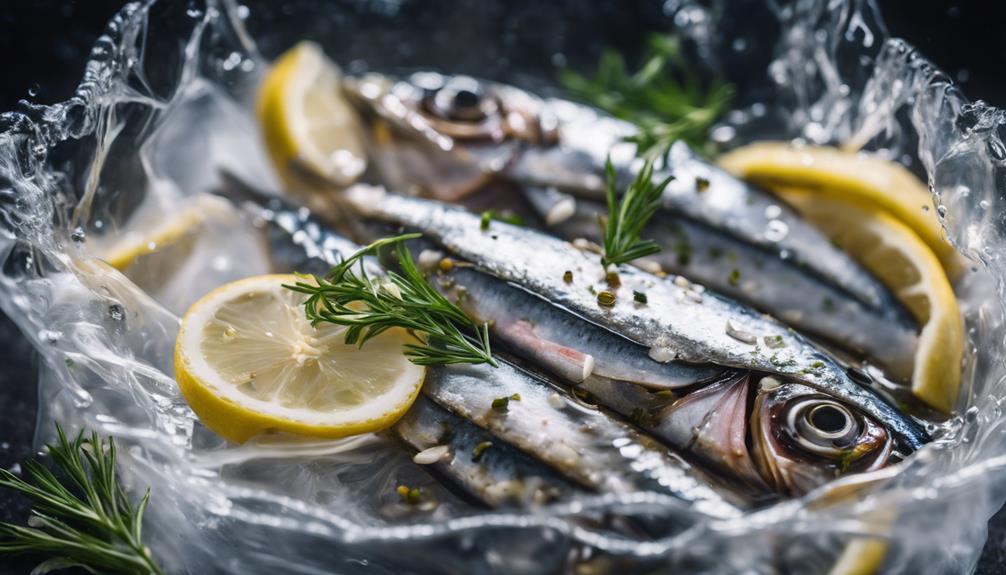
(166, 102)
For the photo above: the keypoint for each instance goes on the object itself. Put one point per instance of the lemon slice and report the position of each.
(248, 362)
(154, 232)
(306, 121)
(906, 264)
(869, 181)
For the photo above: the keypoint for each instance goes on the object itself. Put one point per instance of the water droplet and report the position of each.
(941, 210)
(34, 90)
(232, 61)
(739, 44)
(559, 60)
(772, 212)
(78, 235)
(194, 12)
(242, 11)
(116, 312)
(984, 204)
(925, 208)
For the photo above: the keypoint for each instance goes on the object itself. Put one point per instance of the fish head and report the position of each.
(803, 438)
(777, 436)
(447, 134)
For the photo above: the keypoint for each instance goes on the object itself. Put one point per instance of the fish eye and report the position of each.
(462, 99)
(823, 426)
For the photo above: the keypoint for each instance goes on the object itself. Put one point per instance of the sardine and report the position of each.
(675, 322)
(447, 134)
(750, 274)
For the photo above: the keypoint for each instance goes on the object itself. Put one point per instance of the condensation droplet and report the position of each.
(78, 235)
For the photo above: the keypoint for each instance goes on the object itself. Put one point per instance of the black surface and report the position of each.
(45, 44)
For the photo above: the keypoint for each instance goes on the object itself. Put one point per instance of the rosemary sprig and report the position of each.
(81, 516)
(666, 98)
(368, 306)
(628, 216)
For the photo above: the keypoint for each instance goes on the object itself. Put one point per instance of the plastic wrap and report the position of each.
(166, 102)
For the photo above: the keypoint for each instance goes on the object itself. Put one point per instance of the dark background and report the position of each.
(44, 44)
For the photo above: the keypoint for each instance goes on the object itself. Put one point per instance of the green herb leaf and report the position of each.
(666, 98)
(81, 515)
(628, 215)
(369, 306)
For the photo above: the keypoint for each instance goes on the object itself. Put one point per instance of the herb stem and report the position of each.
(349, 296)
(628, 215)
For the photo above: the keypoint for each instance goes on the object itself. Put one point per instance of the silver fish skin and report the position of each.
(700, 190)
(567, 345)
(500, 476)
(516, 135)
(674, 323)
(748, 273)
(579, 441)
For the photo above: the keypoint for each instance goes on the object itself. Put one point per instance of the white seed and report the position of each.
(693, 296)
(662, 354)
(650, 266)
(682, 282)
(431, 455)
(740, 335)
(561, 211)
(769, 383)
(556, 401)
(588, 367)
(392, 290)
(428, 259)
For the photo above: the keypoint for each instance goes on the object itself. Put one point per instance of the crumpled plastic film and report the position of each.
(166, 102)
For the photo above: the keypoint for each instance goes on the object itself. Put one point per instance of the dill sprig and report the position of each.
(368, 306)
(667, 99)
(628, 215)
(81, 516)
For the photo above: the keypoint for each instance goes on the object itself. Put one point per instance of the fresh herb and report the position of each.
(666, 98)
(484, 221)
(480, 449)
(701, 184)
(567, 276)
(503, 403)
(638, 297)
(505, 216)
(628, 216)
(81, 515)
(369, 306)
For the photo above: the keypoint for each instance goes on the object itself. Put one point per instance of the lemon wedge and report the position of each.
(902, 261)
(248, 362)
(306, 122)
(154, 232)
(866, 180)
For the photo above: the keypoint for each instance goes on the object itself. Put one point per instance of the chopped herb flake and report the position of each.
(480, 449)
(639, 297)
(735, 277)
(567, 276)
